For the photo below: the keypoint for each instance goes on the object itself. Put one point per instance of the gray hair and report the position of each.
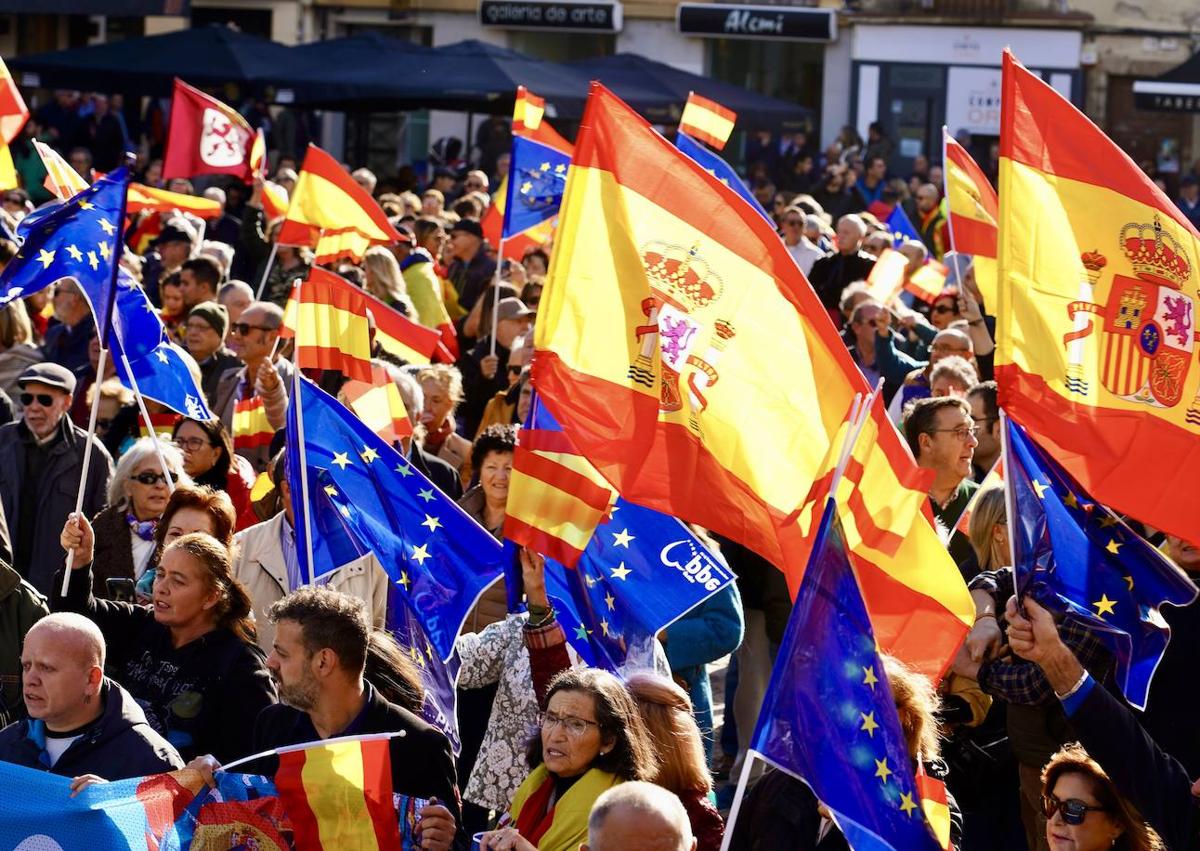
(134, 457)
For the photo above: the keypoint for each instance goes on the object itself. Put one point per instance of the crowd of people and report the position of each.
(167, 624)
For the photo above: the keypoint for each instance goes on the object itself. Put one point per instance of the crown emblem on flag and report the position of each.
(1156, 256)
(682, 272)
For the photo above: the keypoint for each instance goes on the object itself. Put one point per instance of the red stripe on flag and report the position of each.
(544, 440)
(563, 478)
(289, 780)
(972, 236)
(377, 791)
(541, 541)
(335, 360)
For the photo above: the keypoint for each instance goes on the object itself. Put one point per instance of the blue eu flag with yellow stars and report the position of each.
(1077, 558)
(719, 169)
(364, 496)
(78, 239)
(901, 226)
(829, 718)
(537, 178)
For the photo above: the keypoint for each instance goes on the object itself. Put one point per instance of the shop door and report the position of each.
(913, 105)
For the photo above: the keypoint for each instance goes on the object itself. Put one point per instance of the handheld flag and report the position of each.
(61, 180)
(251, 428)
(667, 317)
(442, 557)
(886, 279)
(537, 178)
(1096, 339)
(829, 717)
(327, 317)
(719, 169)
(142, 197)
(205, 136)
(13, 115)
(928, 281)
(410, 341)
(379, 405)
(528, 111)
(707, 121)
(79, 239)
(974, 210)
(1075, 555)
(900, 226)
(332, 214)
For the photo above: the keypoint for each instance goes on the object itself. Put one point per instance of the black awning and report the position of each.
(1177, 90)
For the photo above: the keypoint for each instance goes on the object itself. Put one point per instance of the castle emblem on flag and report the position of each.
(684, 288)
(1148, 331)
(222, 143)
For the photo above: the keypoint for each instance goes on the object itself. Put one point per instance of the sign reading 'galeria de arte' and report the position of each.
(727, 20)
(545, 15)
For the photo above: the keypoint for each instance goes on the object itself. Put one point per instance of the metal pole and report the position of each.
(262, 284)
(496, 292)
(87, 462)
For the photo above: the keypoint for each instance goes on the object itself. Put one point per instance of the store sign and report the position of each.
(1155, 96)
(720, 20)
(542, 15)
(973, 101)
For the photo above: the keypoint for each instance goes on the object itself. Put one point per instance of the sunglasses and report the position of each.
(514, 370)
(1074, 811)
(945, 308)
(43, 399)
(244, 328)
(148, 478)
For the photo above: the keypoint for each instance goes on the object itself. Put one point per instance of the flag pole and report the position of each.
(262, 284)
(296, 379)
(1010, 497)
(101, 362)
(141, 400)
(743, 780)
(496, 292)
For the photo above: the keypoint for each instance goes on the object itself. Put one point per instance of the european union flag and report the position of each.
(1077, 557)
(640, 573)
(537, 178)
(78, 239)
(440, 556)
(719, 169)
(441, 697)
(156, 364)
(829, 717)
(900, 226)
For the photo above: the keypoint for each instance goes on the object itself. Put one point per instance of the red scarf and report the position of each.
(537, 815)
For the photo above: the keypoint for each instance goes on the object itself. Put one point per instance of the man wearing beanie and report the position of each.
(204, 336)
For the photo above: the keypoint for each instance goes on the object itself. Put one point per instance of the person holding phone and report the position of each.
(137, 495)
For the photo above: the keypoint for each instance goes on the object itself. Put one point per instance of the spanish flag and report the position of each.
(143, 197)
(404, 338)
(251, 428)
(1097, 335)
(679, 347)
(974, 210)
(339, 794)
(163, 424)
(887, 276)
(928, 281)
(707, 121)
(378, 403)
(919, 604)
(13, 115)
(327, 316)
(332, 214)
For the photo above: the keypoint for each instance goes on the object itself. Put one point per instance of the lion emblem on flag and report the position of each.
(222, 143)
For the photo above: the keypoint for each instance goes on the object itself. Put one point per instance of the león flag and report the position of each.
(974, 211)
(1096, 341)
(206, 136)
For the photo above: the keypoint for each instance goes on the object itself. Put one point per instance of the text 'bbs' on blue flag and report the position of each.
(829, 717)
(1079, 559)
(366, 497)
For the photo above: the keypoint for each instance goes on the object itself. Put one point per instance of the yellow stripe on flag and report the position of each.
(64, 181)
(707, 120)
(8, 171)
(341, 812)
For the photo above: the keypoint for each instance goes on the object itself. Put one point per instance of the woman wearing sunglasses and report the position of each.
(1084, 811)
(137, 495)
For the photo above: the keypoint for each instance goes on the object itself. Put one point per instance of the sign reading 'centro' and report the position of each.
(545, 15)
(721, 20)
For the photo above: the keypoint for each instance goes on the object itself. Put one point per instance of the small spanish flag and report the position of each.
(163, 424)
(935, 806)
(707, 121)
(887, 276)
(379, 405)
(527, 111)
(328, 317)
(251, 428)
(928, 282)
(974, 210)
(339, 794)
(142, 197)
(410, 341)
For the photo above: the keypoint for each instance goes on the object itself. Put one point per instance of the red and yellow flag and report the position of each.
(927, 282)
(163, 424)
(332, 214)
(327, 315)
(679, 346)
(64, 181)
(707, 121)
(919, 604)
(1097, 336)
(887, 276)
(142, 197)
(378, 403)
(974, 210)
(251, 428)
(13, 115)
(339, 794)
(405, 338)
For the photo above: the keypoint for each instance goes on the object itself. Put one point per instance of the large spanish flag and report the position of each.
(974, 211)
(332, 214)
(1096, 348)
(327, 315)
(679, 347)
(339, 794)
(13, 115)
(919, 604)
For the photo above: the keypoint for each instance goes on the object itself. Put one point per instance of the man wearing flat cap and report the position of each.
(41, 460)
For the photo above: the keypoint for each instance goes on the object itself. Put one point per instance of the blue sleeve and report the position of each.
(709, 631)
(893, 364)
(1071, 704)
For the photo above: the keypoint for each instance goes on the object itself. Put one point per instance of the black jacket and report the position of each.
(118, 745)
(835, 271)
(203, 697)
(422, 765)
(113, 556)
(441, 473)
(21, 606)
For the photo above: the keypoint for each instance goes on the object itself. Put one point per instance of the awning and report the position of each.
(1178, 90)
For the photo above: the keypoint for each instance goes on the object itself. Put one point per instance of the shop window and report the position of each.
(563, 47)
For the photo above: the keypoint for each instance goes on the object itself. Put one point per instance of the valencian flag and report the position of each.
(1077, 557)
(379, 405)
(251, 428)
(206, 136)
(1096, 340)
(61, 180)
(974, 210)
(707, 121)
(919, 605)
(537, 178)
(556, 499)
(79, 239)
(829, 717)
(327, 316)
(13, 115)
(679, 346)
(332, 214)
(425, 542)
(719, 169)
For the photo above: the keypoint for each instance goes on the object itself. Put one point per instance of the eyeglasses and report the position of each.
(575, 727)
(1074, 811)
(191, 444)
(43, 399)
(963, 433)
(945, 308)
(148, 478)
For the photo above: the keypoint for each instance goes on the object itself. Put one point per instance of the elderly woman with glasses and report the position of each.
(208, 457)
(137, 494)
